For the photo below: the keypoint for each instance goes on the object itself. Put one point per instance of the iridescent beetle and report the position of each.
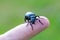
(31, 18)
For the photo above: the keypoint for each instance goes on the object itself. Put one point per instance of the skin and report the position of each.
(21, 32)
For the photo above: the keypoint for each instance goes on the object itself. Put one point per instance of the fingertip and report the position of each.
(46, 20)
(38, 27)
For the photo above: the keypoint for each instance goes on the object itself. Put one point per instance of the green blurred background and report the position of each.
(12, 14)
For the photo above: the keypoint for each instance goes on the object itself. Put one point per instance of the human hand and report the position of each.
(21, 32)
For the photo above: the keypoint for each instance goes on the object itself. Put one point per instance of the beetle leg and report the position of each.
(31, 26)
(39, 21)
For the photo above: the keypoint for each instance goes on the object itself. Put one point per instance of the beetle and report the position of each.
(31, 18)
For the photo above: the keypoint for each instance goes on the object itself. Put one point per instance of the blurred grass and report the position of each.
(12, 14)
